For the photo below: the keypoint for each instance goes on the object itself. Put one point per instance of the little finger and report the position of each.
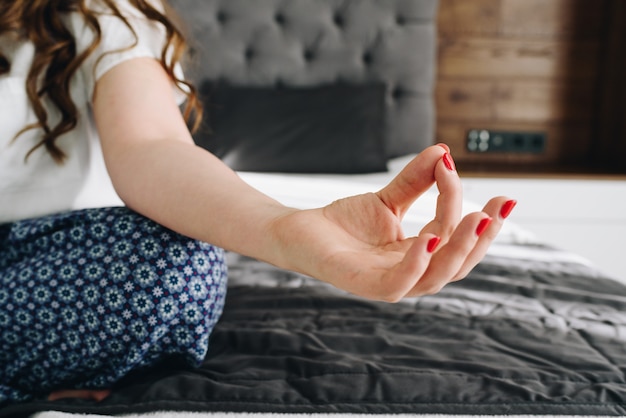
(499, 208)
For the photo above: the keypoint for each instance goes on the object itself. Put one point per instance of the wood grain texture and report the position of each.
(528, 65)
(500, 100)
(485, 57)
(546, 19)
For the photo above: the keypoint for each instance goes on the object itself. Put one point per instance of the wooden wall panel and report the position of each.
(522, 58)
(539, 101)
(609, 144)
(473, 16)
(573, 19)
(521, 65)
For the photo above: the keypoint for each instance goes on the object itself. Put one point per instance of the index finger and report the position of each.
(413, 181)
(449, 201)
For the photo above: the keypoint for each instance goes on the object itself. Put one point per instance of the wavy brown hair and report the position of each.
(56, 58)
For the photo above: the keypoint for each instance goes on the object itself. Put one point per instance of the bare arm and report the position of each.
(158, 171)
(355, 243)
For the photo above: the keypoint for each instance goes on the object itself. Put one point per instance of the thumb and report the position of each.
(413, 181)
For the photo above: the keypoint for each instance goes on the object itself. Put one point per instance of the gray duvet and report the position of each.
(519, 336)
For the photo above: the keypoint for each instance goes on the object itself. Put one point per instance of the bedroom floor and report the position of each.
(585, 216)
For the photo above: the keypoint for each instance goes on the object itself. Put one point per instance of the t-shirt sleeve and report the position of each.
(119, 43)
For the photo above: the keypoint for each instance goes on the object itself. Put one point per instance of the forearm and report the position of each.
(189, 190)
(356, 243)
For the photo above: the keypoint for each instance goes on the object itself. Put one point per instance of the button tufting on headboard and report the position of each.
(367, 58)
(280, 19)
(221, 17)
(339, 20)
(309, 55)
(317, 42)
(249, 54)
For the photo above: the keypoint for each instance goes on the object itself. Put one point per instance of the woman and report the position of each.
(93, 287)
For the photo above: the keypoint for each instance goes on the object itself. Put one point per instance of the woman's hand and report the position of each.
(357, 243)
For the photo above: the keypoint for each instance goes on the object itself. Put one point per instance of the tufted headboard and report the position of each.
(300, 44)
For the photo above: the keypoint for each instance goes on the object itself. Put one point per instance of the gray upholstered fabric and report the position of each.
(317, 42)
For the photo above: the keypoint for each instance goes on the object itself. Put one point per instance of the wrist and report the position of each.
(288, 246)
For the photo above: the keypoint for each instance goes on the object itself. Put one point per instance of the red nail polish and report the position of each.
(482, 226)
(448, 162)
(506, 209)
(433, 243)
(444, 146)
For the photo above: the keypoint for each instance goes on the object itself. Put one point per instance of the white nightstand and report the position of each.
(586, 216)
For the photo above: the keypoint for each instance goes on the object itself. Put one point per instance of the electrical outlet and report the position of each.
(484, 140)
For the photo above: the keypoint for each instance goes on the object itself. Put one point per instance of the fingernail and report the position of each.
(448, 162)
(507, 208)
(433, 243)
(482, 226)
(444, 146)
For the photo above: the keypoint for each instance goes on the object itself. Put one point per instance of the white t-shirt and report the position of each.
(39, 186)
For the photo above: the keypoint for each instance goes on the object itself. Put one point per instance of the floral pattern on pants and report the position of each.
(88, 296)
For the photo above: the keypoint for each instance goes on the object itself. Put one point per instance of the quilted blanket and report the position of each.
(530, 331)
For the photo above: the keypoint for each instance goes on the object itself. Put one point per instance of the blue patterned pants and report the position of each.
(88, 296)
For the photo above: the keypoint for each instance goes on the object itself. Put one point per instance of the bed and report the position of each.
(532, 330)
